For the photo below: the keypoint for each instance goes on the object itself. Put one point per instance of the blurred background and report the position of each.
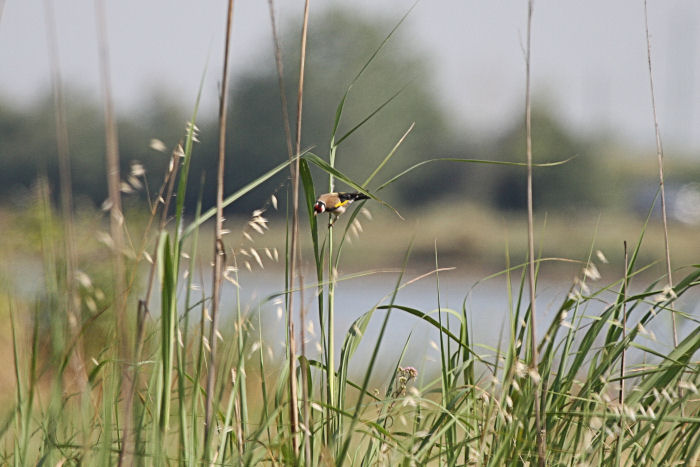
(461, 66)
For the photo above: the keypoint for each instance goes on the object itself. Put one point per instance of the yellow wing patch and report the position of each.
(342, 203)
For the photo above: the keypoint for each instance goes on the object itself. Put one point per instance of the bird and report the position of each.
(335, 204)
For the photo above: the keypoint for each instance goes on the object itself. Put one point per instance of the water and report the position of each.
(486, 303)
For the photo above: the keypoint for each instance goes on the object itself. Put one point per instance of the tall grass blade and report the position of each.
(247, 188)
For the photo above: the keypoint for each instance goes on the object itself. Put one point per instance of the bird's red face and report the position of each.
(319, 207)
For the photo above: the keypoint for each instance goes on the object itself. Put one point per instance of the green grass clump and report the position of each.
(474, 406)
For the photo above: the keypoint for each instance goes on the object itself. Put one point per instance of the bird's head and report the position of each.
(319, 207)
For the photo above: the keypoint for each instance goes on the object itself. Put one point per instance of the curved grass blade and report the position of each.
(429, 319)
(372, 114)
(325, 166)
(238, 194)
(352, 340)
(471, 161)
(670, 369)
(341, 104)
(390, 155)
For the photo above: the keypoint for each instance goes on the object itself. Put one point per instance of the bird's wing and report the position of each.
(332, 200)
(345, 198)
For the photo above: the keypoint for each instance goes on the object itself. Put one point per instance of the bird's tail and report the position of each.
(358, 196)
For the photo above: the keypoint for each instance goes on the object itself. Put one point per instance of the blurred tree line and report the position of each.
(339, 45)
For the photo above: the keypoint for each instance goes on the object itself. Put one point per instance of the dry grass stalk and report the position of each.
(660, 159)
(280, 80)
(541, 433)
(295, 256)
(77, 360)
(113, 179)
(114, 197)
(219, 251)
(621, 395)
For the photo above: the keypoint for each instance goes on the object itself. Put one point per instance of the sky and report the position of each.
(589, 59)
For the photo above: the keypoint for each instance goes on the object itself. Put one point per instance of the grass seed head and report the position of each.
(257, 258)
(688, 386)
(256, 227)
(158, 145)
(83, 279)
(137, 169)
(135, 182)
(601, 257)
(591, 272)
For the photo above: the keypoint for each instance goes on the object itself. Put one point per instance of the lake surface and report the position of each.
(487, 305)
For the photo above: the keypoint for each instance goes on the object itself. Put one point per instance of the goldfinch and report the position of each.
(336, 203)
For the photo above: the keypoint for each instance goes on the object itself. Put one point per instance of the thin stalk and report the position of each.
(295, 258)
(241, 402)
(24, 404)
(294, 253)
(196, 399)
(541, 433)
(219, 251)
(62, 145)
(197, 362)
(621, 395)
(444, 364)
(330, 333)
(115, 388)
(113, 177)
(660, 159)
(280, 80)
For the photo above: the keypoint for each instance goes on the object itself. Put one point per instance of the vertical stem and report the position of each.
(62, 146)
(113, 187)
(280, 81)
(219, 252)
(295, 257)
(240, 404)
(624, 328)
(541, 429)
(295, 254)
(113, 177)
(330, 349)
(660, 159)
(624, 337)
